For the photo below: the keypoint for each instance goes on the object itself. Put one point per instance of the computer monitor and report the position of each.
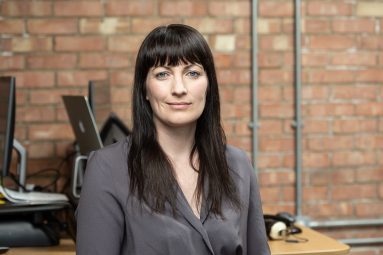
(99, 99)
(7, 122)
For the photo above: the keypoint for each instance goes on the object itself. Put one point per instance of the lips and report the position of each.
(179, 103)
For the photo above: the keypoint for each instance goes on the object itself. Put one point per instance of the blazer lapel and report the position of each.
(186, 211)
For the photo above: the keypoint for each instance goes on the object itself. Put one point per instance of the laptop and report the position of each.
(83, 123)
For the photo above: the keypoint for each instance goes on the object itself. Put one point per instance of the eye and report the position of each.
(161, 75)
(194, 74)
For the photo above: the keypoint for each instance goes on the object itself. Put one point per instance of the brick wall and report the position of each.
(55, 47)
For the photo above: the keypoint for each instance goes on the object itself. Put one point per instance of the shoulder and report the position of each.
(109, 161)
(238, 161)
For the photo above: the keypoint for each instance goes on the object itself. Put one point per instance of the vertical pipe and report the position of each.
(254, 74)
(298, 119)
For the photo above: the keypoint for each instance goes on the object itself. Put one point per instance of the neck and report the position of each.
(176, 141)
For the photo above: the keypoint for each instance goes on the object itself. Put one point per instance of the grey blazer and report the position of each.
(110, 221)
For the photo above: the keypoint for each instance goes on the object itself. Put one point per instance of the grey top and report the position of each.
(111, 221)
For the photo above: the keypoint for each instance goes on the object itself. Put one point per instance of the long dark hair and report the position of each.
(151, 173)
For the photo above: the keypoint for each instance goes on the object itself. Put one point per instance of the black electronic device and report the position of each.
(280, 226)
(111, 127)
(7, 122)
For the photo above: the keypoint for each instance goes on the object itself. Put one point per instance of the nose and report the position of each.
(179, 88)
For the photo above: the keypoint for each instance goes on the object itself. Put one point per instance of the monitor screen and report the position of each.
(99, 101)
(7, 122)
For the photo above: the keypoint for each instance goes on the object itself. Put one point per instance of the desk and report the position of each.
(66, 247)
(317, 244)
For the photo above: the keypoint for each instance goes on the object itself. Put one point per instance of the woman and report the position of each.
(173, 186)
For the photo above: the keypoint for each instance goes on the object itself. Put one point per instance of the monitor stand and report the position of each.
(24, 225)
(27, 231)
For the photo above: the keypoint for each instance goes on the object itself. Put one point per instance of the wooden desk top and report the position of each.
(66, 247)
(317, 244)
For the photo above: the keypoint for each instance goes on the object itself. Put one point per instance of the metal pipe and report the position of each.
(362, 241)
(298, 120)
(346, 223)
(254, 74)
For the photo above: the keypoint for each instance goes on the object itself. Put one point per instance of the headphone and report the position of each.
(280, 226)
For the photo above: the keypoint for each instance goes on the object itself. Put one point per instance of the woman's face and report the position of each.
(177, 94)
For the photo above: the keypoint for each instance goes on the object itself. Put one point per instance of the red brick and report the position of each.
(276, 42)
(369, 75)
(315, 160)
(269, 94)
(51, 96)
(270, 194)
(381, 190)
(12, 26)
(355, 125)
(57, 61)
(316, 127)
(243, 42)
(121, 78)
(242, 26)
(225, 60)
(353, 26)
(269, 161)
(369, 175)
(41, 150)
(232, 9)
(331, 76)
(144, 25)
(319, 177)
(370, 42)
(370, 109)
(241, 142)
(24, 8)
(121, 95)
(133, 8)
(359, 92)
(276, 177)
(315, 193)
(97, 60)
(343, 177)
(79, 78)
(183, 8)
(269, 26)
(77, 43)
(276, 110)
(30, 44)
(276, 144)
(242, 94)
(366, 209)
(275, 9)
(34, 79)
(270, 59)
(346, 109)
(242, 128)
(313, 25)
(78, 8)
(111, 25)
(125, 43)
(334, 8)
(36, 114)
(207, 25)
(236, 77)
(353, 158)
(333, 42)
(315, 92)
(326, 210)
(48, 132)
(332, 143)
(275, 77)
(354, 59)
(355, 191)
(52, 26)
(11, 62)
